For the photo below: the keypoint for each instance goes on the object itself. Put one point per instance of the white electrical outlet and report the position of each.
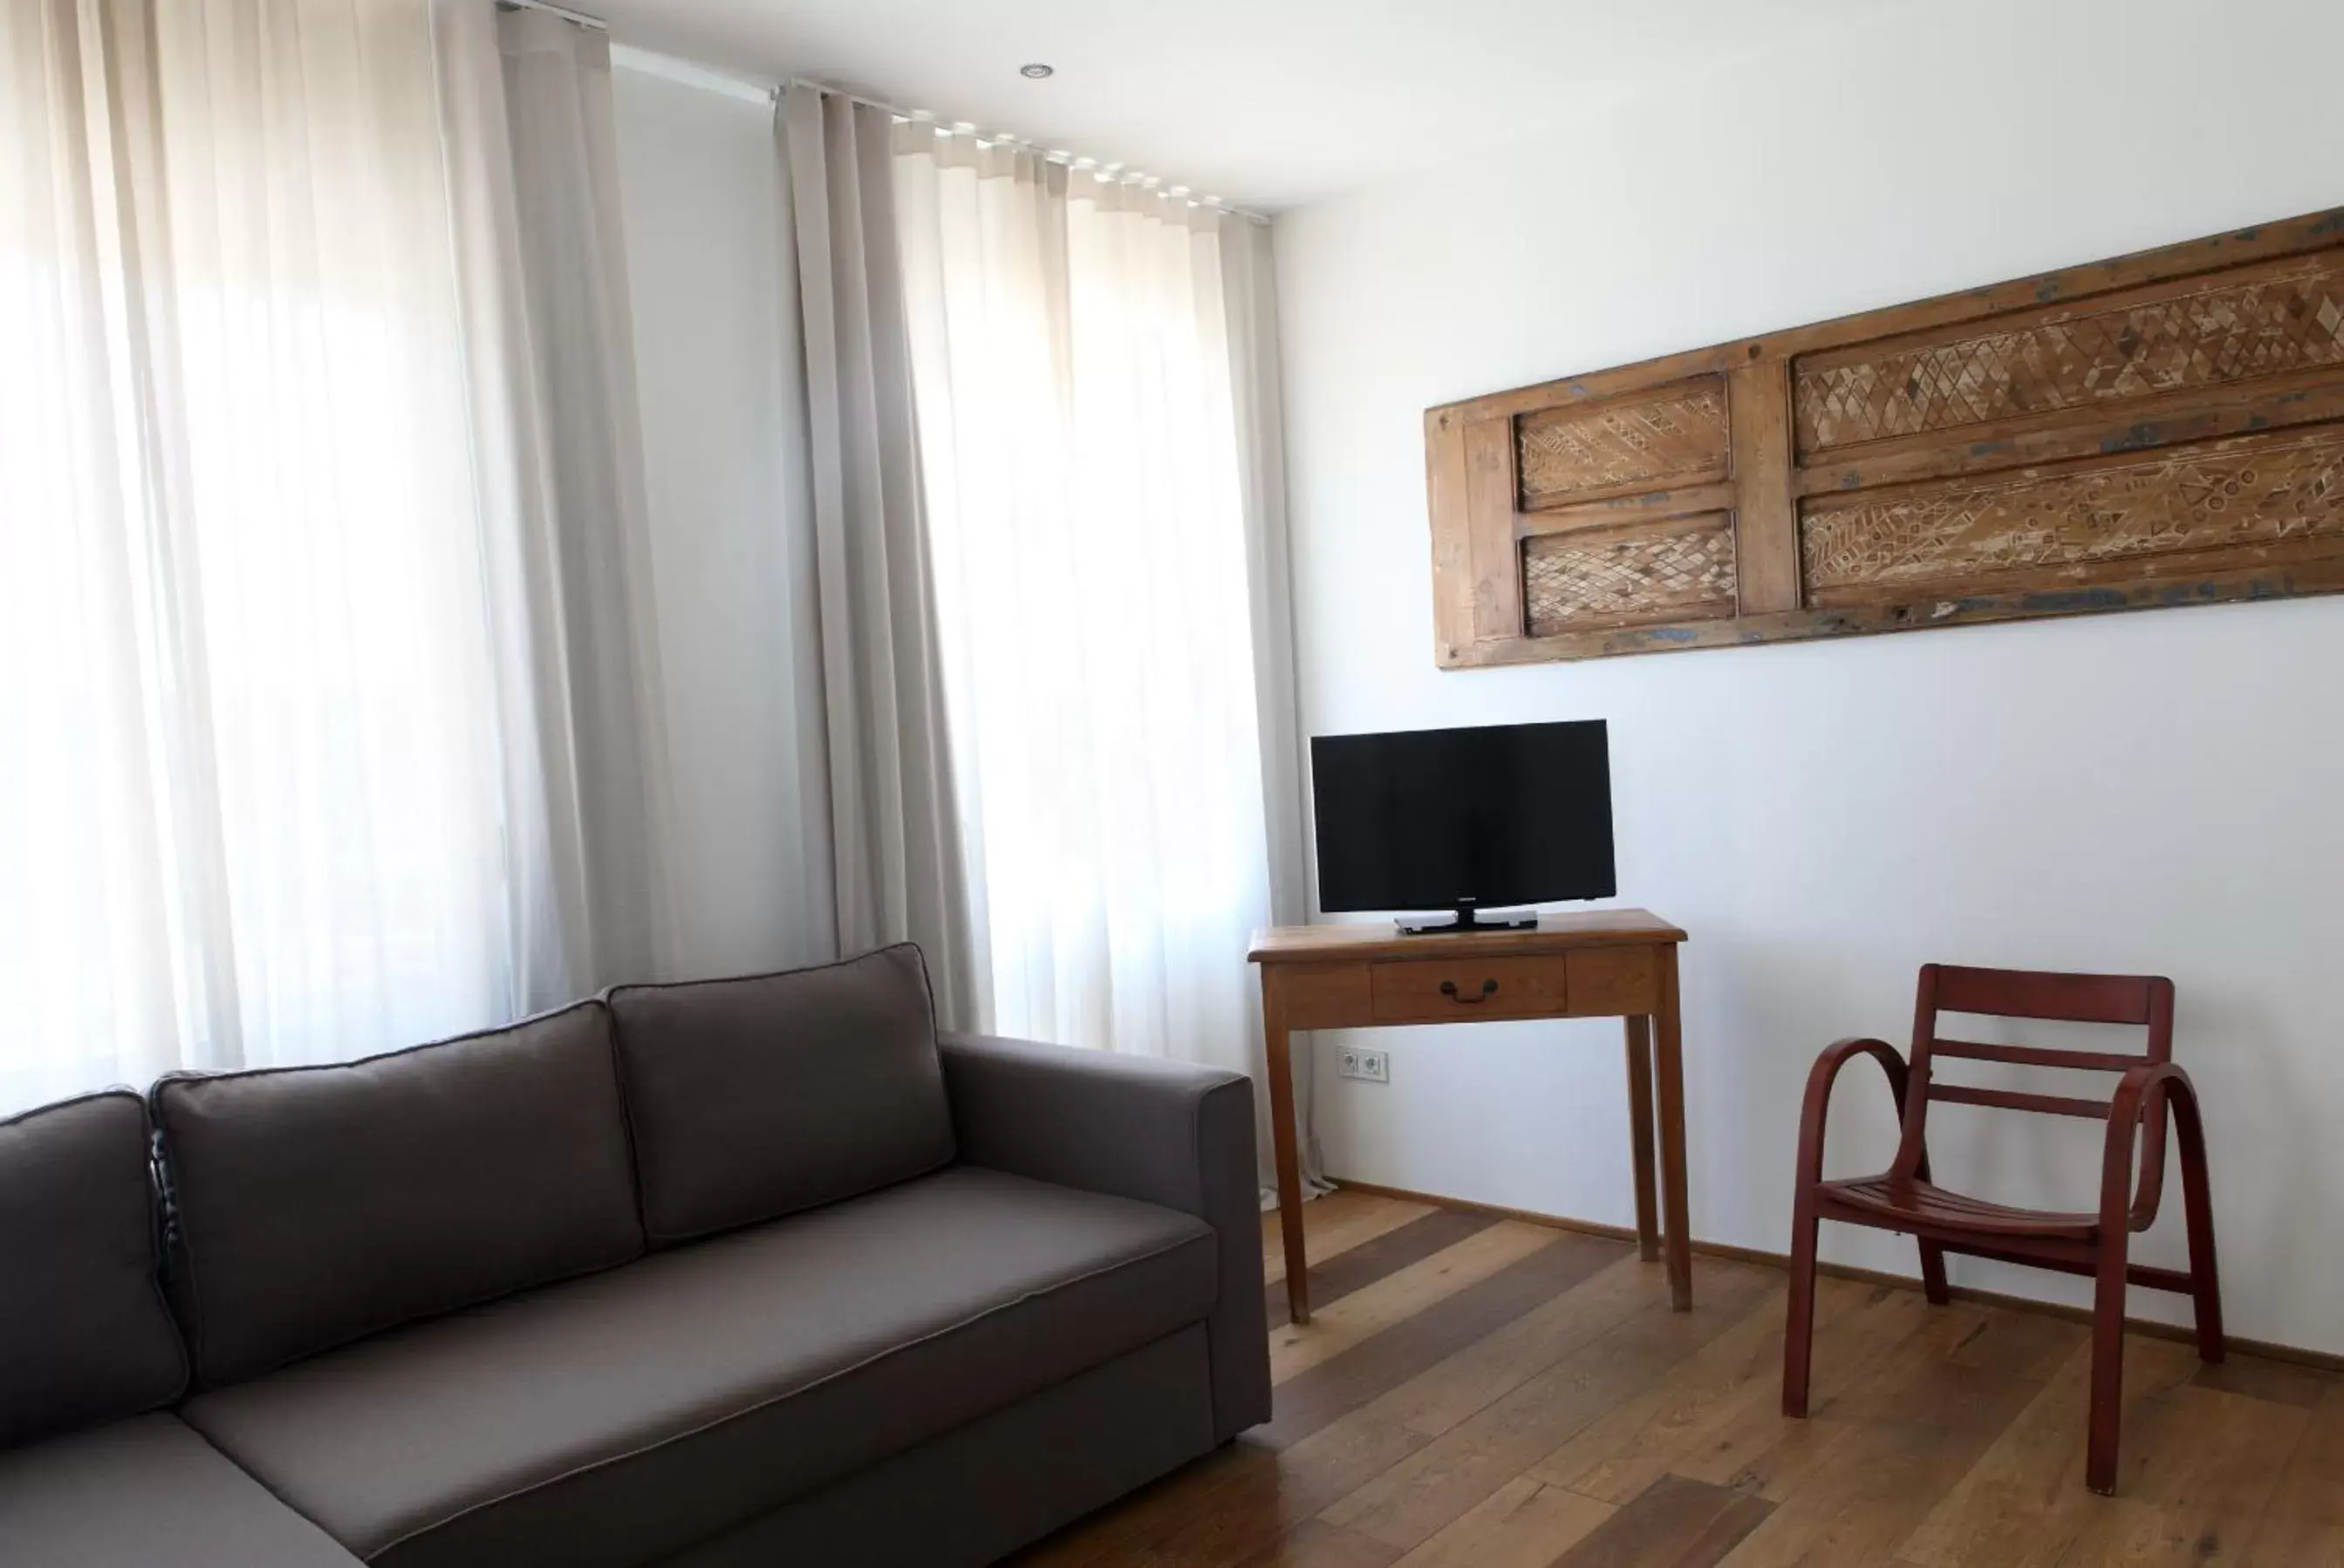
(1346, 1062)
(1372, 1065)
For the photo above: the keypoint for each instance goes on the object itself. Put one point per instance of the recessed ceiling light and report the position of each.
(1037, 70)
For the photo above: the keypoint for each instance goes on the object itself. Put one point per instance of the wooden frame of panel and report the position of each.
(2164, 428)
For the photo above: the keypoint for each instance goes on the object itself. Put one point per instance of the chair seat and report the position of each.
(1920, 1205)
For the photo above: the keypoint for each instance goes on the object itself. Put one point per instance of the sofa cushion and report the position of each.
(751, 1099)
(144, 1492)
(84, 1333)
(316, 1205)
(617, 1419)
(974, 1495)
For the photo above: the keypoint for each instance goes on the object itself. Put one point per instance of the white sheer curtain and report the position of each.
(1089, 481)
(268, 791)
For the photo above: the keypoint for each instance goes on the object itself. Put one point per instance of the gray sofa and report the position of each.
(747, 1271)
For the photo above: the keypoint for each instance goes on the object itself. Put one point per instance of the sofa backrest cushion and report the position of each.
(84, 1336)
(759, 1097)
(312, 1206)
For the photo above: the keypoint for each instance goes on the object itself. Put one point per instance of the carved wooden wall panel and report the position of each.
(2288, 318)
(1682, 570)
(2163, 428)
(1630, 444)
(2094, 522)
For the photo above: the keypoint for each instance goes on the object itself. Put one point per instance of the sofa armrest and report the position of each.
(1164, 1133)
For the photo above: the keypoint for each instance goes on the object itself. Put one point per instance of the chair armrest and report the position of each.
(2159, 1084)
(1164, 1133)
(1817, 1107)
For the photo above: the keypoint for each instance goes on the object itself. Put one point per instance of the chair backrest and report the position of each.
(2145, 1001)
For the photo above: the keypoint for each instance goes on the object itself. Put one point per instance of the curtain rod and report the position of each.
(563, 12)
(692, 72)
(1073, 160)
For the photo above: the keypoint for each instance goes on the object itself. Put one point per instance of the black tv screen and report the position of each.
(1442, 819)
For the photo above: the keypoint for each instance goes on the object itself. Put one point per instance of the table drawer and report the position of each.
(1459, 990)
(1319, 996)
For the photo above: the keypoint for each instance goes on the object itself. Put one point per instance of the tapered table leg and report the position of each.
(1282, 1141)
(1669, 1052)
(1639, 1132)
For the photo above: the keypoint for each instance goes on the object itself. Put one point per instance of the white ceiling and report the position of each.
(1266, 104)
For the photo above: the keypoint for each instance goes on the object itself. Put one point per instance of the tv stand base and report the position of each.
(1467, 918)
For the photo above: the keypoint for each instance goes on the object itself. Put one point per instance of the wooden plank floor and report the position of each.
(1477, 1393)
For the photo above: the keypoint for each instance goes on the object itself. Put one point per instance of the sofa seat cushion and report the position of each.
(143, 1492)
(616, 1419)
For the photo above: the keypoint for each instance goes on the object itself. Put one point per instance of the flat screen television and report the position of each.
(1463, 819)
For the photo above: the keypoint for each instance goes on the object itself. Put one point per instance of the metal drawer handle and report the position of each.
(1489, 990)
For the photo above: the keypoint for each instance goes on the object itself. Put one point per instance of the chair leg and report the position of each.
(1799, 1327)
(2107, 1364)
(2198, 1207)
(1933, 1274)
(1932, 1256)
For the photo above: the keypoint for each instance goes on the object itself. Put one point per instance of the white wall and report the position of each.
(2156, 793)
(714, 287)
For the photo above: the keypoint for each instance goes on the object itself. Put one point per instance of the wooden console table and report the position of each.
(1605, 963)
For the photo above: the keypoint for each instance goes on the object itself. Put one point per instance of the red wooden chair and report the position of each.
(1903, 1198)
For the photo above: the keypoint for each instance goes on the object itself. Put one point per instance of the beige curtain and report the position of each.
(894, 863)
(542, 265)
(1097, 379)
(309, 513)
(1249, 299)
